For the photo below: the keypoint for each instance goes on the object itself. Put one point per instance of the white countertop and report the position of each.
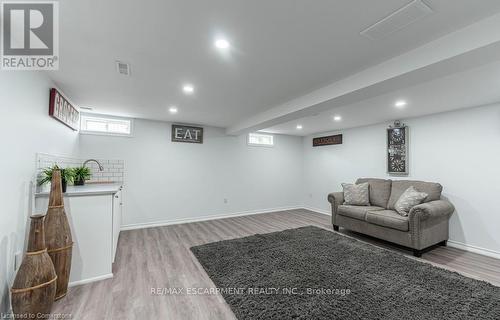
(88, 190)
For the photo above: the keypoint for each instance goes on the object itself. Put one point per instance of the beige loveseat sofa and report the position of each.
(425, 226)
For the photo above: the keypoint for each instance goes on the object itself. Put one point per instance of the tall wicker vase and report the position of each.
(34, 287)
(58, 235)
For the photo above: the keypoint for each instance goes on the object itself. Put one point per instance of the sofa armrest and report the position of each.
(429, 223)
(336, 199)
(438, 210)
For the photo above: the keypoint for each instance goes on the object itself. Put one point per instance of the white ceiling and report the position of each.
(283, 49)
(474, 87)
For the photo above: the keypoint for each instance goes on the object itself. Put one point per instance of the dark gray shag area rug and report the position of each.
(286, 275)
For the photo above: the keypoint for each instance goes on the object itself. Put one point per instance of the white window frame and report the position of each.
(259, 144)
(106, 117)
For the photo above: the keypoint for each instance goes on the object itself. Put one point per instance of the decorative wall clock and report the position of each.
(397, 149)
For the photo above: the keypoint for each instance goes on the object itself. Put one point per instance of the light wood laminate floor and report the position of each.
(160, 258)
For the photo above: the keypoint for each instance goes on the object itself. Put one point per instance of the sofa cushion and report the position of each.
(410, 198)
(432, 189)
(356, 212)
(380, 191)
(388, 218)
(356, 194)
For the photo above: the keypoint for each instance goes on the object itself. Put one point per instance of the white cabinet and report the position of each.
(117, 220)
(94, 215)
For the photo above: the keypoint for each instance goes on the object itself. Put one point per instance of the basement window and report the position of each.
(104, 125)
(259, 139)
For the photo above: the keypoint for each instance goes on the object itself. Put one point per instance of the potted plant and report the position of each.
(66, 176)
(80, 174)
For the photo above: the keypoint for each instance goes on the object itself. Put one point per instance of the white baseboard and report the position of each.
(474, 249)
(451, 243)
(85, 281)
(203, 218)
(317, 210)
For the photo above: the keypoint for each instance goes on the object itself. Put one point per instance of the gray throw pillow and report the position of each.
(410, 198)
(356, 194)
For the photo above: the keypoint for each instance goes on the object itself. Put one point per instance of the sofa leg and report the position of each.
(417, 253)
(335, 228)
(444, 243)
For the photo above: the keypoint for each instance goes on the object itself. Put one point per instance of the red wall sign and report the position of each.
(62, 110)
(326, 141)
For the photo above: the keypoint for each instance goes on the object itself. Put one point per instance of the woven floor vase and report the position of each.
(58, 235)
(34, 287)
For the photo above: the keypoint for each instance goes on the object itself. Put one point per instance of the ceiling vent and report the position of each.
(398, 20)
(123, 68)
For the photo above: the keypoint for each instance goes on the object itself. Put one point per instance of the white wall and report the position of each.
(25, 128)
(167, 181)
(460, 150)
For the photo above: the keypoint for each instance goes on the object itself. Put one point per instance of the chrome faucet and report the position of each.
(101, 168)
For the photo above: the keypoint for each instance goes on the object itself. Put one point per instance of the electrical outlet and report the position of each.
(18, 259)
(310, 195)
(225, 200)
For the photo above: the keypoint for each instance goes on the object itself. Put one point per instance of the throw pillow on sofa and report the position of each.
(356, 194)
(410, 198)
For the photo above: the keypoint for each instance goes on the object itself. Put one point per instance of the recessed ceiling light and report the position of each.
(400, 103)
(337, 118)
(222, 44)
(188, 89)
(299, 127)
(172, 109)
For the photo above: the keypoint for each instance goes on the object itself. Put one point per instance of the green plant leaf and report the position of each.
(67, 174)
(82, 173)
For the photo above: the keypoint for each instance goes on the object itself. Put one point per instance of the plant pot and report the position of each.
(64, 185)
(79, 182)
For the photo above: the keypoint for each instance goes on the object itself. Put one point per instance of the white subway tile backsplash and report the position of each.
(113, 169)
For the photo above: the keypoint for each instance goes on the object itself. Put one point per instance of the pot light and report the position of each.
(188, 89)
(337, 118)
(172, 109)
(299, 127)
(222, 44)
(400, 103)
